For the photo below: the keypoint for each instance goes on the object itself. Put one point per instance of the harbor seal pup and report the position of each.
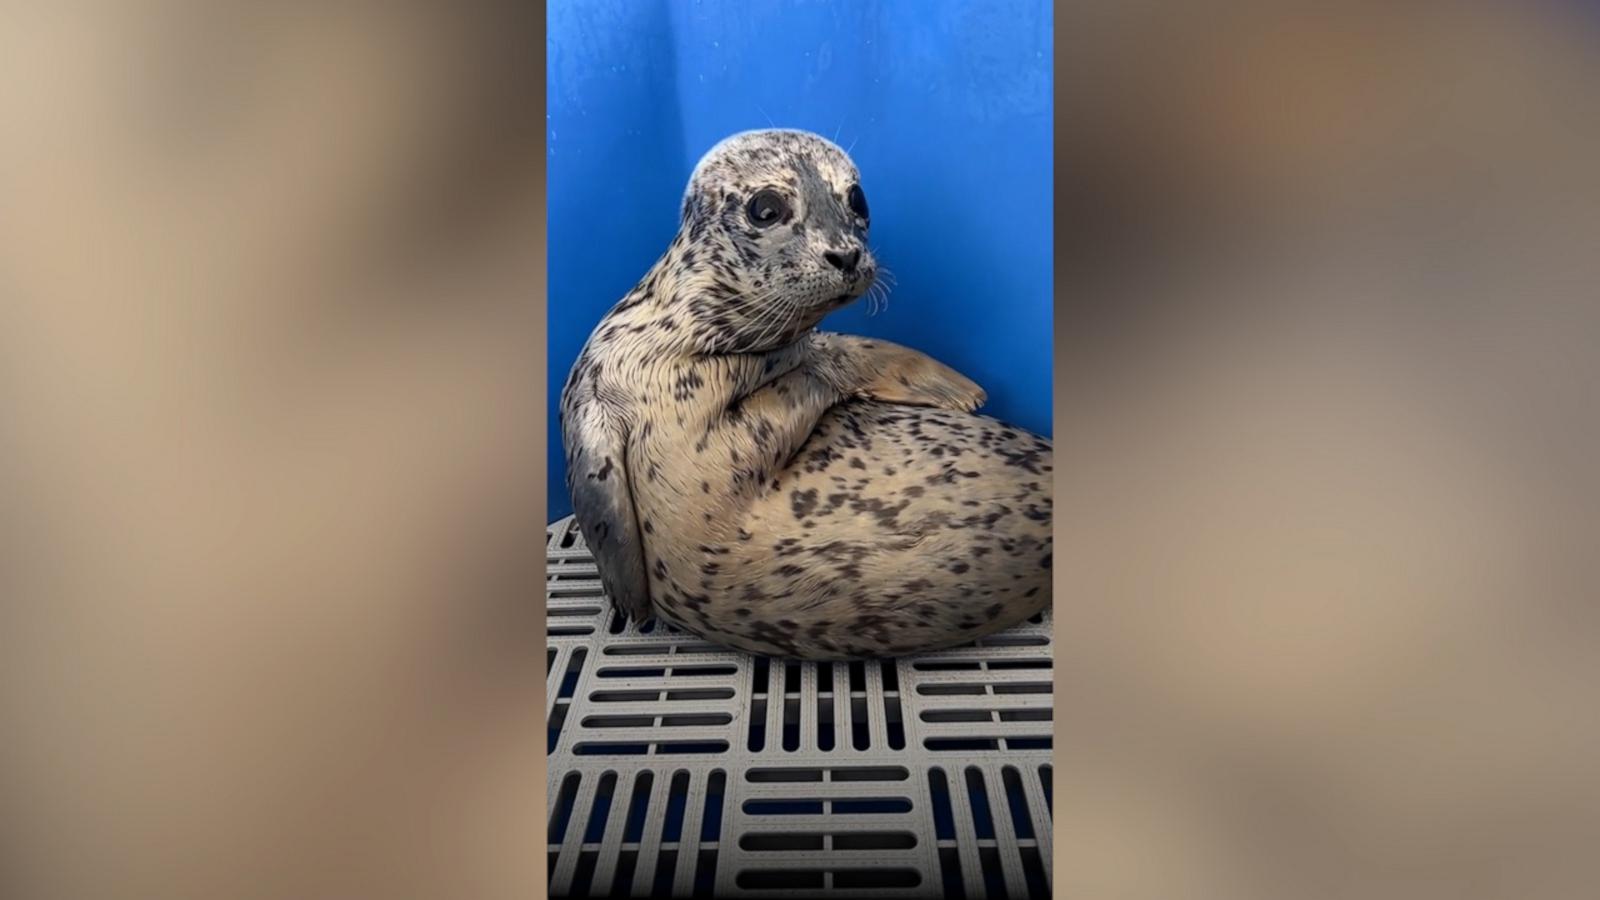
(781, 490)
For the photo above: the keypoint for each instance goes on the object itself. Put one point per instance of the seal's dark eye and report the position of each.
(858, 201)
(767, 208)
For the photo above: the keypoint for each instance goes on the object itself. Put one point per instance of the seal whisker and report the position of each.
(748, 302)
(883, 283)
(760, 328)
(788, 313)
(770, 325)
(883, 296)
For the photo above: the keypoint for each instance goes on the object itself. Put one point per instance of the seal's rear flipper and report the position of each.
(602, 502)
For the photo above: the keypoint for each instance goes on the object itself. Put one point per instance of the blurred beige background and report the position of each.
(1327, 410)
(272, 446)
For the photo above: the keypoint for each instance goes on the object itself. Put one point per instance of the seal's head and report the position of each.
(775, 227)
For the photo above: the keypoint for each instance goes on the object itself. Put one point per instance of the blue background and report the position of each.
(945, 106)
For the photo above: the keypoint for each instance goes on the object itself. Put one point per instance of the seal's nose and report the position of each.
(844, 262)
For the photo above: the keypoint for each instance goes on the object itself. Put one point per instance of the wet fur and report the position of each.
(782, 490)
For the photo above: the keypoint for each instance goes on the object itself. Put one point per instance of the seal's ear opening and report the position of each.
(691, 206)
(697, 213)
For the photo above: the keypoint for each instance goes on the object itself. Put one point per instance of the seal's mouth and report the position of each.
(856, 285)
(861, 280)
(857, 288)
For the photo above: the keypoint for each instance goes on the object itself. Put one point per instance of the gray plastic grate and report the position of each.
(680, 768)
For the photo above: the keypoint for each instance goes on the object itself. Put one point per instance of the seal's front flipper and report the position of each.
(917, 379)
(602, 502)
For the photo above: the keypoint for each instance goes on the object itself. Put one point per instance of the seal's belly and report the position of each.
(893, 530)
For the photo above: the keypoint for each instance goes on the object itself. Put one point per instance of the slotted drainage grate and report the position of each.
(682, 769)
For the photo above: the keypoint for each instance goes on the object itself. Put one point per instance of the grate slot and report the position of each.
(825, 718)
(758, 706)
(561, 880)
(1033, 868)
(781, 880)
(665, 867)
(610, 840)
(627, 866)
(650, 853)
(857, 879)
(965, 835)
(1006, 843)
(689, 844)
(600, 809)
(1017, 803)
(994, 880)
(639, 807)
(783, 775)
(561, 811)
(711, 822)
(950, 874)
(779, 842)
(1039, 794)
(677, 802)
(893, 726)
(871, 773)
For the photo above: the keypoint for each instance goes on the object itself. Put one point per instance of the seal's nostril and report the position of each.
(844, 262)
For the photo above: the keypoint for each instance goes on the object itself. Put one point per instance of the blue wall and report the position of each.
(944, 104)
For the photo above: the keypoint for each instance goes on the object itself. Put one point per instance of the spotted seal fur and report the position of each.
(779, 489)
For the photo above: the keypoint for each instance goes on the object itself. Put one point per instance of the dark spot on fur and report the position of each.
(803, 502)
